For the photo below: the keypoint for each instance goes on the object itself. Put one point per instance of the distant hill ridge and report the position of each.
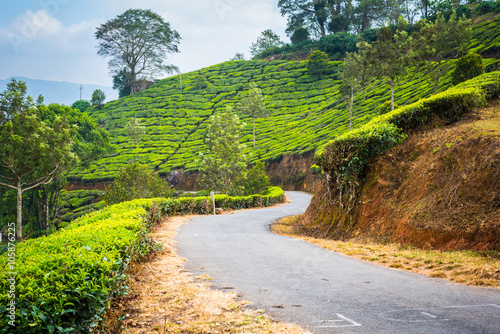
(60, 91)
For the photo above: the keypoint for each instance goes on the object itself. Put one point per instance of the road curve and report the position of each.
(323, 291)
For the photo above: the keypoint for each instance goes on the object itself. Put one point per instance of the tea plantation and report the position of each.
(306, 112)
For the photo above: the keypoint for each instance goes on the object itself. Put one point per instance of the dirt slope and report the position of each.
(439, 189)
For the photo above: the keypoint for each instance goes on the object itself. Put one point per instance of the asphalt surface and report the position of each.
(323, 291)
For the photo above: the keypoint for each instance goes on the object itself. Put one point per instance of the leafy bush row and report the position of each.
(64, 281)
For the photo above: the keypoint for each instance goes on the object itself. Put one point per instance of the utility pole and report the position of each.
(81, 88)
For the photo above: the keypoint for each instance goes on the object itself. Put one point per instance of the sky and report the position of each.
(54, 39)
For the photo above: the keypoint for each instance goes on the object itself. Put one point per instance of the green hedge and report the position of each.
(64, 281)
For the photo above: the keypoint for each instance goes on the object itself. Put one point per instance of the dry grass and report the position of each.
(466, 267)
(166, 299)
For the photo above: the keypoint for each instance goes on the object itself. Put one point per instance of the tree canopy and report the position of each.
(98, 98)
(225, 164)
(31, 152)
(266, 40)
(137, 42)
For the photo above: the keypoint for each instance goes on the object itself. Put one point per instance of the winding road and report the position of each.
(323, 291)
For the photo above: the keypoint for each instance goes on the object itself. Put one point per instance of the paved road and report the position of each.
(324, 291)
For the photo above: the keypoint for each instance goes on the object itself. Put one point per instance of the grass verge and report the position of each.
(466, 267)
(164, 298)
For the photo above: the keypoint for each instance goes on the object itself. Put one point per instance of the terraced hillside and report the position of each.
(305, 112)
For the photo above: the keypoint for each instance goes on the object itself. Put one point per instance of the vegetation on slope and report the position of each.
(305, 113)
(421, 195)
(63, 282)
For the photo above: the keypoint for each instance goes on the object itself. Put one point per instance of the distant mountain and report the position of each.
(59, 91)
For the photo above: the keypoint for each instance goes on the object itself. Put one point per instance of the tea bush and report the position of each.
(65, 280)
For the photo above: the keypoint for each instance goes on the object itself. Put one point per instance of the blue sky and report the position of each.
(54, 39)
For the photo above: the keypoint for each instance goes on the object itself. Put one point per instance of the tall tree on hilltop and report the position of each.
(253, 105)
(442, 40)
(266, 40)
(31, 152)
(138, 41)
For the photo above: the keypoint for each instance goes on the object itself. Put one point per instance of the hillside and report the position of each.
(59, 91)
(305, 113)
(439, 189)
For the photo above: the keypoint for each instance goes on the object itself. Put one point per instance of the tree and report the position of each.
(81, 105)
(224, 167)
(266, 40)
(299, 35)
(368, 12)
(90, 143)
(390, 58)
(137, 41)
(253, 105)
(200, 82)
(135, 130)
(121, 82)
(136, 181)
(350, 77)
(317, 16)
(98, 98)
(317, 63)
(256, 181)
(238, 56)
(31, 152)
(441, 40)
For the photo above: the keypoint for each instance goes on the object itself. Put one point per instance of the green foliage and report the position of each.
(468, 67)
(318, 63)
(254, 105)
(267, 39)
(386, 107)
(344, 158)
(224, 165)
(144, 54)
(98, 98)
(32, 152)
(256, 180)
(200, 82)
(299, 35)
(65, 281)
(136, 181)
(81, 105)
(440, 40)
(135, 130)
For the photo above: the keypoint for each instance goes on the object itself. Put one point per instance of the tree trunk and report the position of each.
(392, 94)
(350, 108)
(254, 131)
(437, 78)
(19, 234)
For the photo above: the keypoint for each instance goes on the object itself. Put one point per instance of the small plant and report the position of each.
(468, 67)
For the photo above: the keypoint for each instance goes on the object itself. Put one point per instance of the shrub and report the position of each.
(136, 181)
(299, 35)
(318, 63)
(386, 107)
(65, 281)
(256, 180)
(467, 67)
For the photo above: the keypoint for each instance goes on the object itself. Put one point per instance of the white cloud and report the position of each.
(33, 26)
